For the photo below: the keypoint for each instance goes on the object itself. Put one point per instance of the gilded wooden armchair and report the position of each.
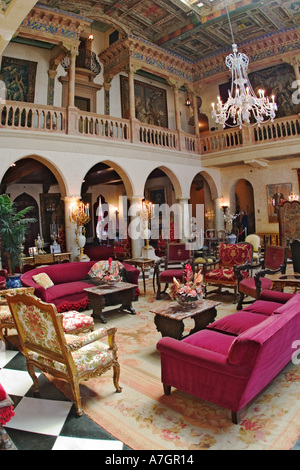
(73, 322)
(6, 319)
(64, 356)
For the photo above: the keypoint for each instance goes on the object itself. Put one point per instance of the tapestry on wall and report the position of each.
(19, 77)
(150, 103)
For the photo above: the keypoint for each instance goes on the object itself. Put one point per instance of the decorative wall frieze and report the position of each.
(53, 25)
(147, 56)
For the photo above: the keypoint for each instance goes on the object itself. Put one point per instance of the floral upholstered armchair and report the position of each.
(73, 321)
(220, 273)
(65, 356)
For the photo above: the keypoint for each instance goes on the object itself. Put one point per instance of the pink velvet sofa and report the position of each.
(70, 280)
(233, 359)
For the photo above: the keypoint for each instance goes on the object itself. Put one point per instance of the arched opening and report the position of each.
(106, 188)
(32, 181)
(244, 200)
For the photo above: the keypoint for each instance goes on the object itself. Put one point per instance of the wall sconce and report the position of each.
(224, 207)
(91, 36)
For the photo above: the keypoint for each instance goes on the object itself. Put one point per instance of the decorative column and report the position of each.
(72, 111)
(137, 242)
(195, 114)
(185, 215)
(131, 92)
(107, 87)
(72, 69)
(71, 244)
(219, 218)
(51, 84)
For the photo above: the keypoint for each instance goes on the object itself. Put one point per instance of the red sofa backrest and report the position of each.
(268, 345)
(60, 273)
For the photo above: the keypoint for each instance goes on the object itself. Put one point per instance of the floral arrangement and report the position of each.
(106, 271)
(191, 290)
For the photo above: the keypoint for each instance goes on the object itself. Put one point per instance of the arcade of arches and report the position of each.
(32, 181)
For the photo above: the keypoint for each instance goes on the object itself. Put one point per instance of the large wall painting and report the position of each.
(150, 103)
(277, 81)
(19, 78)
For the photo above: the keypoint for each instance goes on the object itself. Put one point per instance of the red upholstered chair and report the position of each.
(177, 254)
(274, 262)
(122, 248)
(220, 273)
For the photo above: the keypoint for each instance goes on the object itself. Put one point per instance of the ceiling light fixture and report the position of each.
(243, 105)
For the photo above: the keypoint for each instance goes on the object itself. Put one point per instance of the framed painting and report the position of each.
(276, 195)
(150, 103)
(19, 77)
(157, 195)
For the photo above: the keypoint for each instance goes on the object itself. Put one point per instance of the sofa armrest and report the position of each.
(184, 352)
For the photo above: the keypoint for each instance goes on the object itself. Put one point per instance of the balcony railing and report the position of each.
(28, 116)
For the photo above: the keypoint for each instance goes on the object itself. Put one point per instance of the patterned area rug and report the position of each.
(145, 419)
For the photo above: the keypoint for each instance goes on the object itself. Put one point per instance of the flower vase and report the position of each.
(14, 281)
(186, 301)
(81, 241)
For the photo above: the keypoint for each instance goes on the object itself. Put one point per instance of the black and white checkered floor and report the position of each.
(47, 421)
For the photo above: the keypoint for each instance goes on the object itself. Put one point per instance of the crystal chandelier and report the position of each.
(243, 105)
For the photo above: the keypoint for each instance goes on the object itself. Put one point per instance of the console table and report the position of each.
(58, 258)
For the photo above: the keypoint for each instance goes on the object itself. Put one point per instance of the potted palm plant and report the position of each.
(14, 225)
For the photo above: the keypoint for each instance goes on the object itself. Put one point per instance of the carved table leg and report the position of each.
(127, 297)
(203, 319)
(169, 327)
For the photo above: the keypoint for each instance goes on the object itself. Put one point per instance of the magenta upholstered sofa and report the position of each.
(70, 280)
(231, 361)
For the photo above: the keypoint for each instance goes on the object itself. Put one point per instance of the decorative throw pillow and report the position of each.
(107, 270)
(43, 280)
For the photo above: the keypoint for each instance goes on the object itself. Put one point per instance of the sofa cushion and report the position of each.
(275, 296)
(292, 303)
(43, 280)
(236, 323)
(263, 307)
(210, 340)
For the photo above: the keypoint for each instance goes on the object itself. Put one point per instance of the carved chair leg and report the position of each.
(31, 372)
(240, 300)
(116, 377)
(76, 395)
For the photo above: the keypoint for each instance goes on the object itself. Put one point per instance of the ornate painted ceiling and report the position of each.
(191, 29)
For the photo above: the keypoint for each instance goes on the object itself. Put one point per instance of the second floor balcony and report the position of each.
(231, 144)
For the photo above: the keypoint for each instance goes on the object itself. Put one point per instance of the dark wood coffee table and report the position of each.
(105, 295)
(169, 318)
